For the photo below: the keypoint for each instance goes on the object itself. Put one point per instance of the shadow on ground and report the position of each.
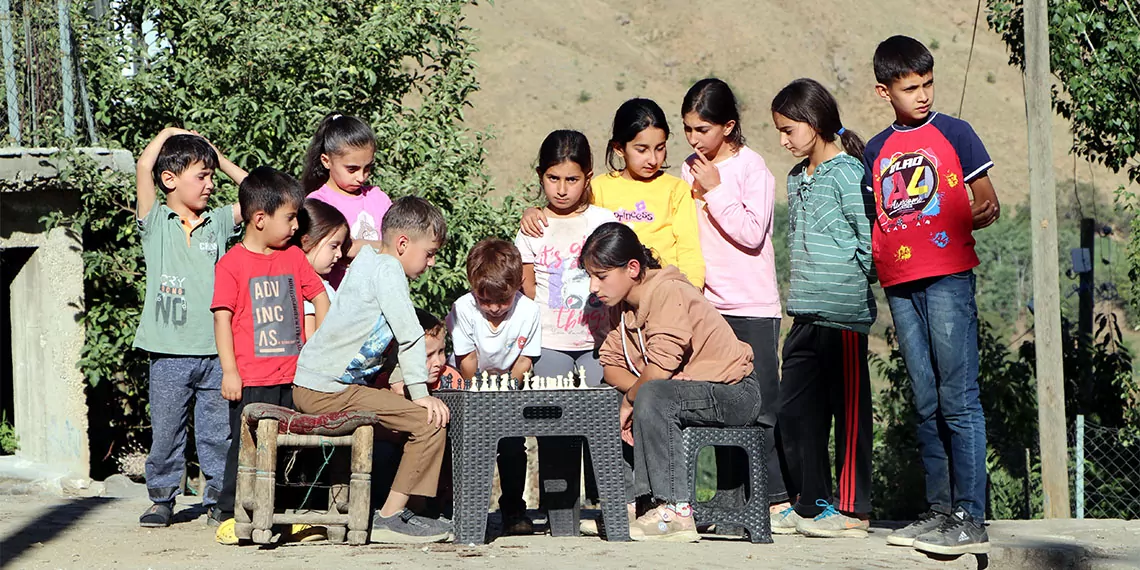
(46, 527)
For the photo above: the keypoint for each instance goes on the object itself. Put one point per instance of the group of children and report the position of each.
(662, 287)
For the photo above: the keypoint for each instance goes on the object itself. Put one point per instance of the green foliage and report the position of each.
(1093, 47)
(1129, 203)
(256, 79)
(9, 443)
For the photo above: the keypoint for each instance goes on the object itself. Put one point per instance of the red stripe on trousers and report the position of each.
(852, 389)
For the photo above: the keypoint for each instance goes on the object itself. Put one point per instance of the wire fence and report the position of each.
(45, 96)
(1106, 471)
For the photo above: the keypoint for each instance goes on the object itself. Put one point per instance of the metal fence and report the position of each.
(1106, 465)
(45, 96)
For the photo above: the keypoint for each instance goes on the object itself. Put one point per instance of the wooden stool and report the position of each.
(264, 429)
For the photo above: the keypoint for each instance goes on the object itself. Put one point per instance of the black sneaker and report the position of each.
(517, 524)
(407, 527)
(959, 534)
(158, 515)
(928, 521)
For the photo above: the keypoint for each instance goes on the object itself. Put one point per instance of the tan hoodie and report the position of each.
(677, 329)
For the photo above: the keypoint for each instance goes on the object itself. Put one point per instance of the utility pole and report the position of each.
(1051, 424)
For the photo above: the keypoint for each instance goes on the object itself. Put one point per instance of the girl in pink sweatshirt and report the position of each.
(735, 196)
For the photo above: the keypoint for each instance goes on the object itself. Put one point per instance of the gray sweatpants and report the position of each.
(174, 382)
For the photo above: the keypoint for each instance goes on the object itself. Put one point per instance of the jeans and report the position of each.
(662, 408)
(936, 321)
(174, 380)
(763, 335)
(555, 362)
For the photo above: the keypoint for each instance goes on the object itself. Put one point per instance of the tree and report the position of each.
(256, 79)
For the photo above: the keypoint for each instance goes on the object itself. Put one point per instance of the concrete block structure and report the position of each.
(42, 388)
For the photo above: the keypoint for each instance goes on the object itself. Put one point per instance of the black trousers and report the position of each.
(825, 376)
(763, 335)
(281, 395)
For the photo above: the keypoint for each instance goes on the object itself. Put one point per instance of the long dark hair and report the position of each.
(336, 134)
(806, 101)
(714, 102)
(562, 146)
(615, 245)
(631, 118)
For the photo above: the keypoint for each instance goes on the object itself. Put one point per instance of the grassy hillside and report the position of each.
(569, 64)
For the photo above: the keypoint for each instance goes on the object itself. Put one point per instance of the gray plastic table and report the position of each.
(480, 419)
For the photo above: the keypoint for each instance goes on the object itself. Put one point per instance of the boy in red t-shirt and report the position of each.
(259, 289)
(928, 173)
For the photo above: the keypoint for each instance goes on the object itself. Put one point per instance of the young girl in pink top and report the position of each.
(337, 166)
(735, 196)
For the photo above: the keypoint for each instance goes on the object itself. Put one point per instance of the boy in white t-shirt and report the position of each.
(497, 329)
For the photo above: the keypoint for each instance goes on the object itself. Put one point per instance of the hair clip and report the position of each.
(840, 131)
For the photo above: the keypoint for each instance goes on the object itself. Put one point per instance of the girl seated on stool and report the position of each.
(679, 364)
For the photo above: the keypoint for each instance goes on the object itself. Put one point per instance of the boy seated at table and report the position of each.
(496, 329)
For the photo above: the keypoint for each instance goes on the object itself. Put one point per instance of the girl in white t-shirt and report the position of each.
(573, 321)
(322, 233)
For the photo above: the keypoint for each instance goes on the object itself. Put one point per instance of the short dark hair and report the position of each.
(714, 102)
(414, 215)
(266, 189)
(181, 151)
(494, 270)
(899, 56)
(431, 324)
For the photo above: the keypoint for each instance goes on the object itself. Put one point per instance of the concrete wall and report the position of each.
(46, 301)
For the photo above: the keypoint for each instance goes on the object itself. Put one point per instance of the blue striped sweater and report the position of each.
(829, 235)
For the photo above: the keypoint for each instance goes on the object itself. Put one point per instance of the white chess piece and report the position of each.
(582, 377)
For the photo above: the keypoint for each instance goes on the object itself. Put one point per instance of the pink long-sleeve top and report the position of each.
(734, 221)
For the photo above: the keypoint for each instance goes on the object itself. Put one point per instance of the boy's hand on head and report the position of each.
(231, 386)
(533, 222)
(438, 413)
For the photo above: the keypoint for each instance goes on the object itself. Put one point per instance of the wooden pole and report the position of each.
(1051, 422)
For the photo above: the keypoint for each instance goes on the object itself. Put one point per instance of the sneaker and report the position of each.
(517, 524)
(407, 527)
(158, 515)
(215, 516)
(226, 533)
(928, 521)
(784, 521)
(832, 524)
(665, 524)
(959, 534)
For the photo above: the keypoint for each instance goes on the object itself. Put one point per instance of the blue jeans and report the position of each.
(174, 382)
(936, 321)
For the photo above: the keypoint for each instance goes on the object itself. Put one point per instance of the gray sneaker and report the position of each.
(407, 527)
(832, 524)
(785, 521)
(958, 535)
(928, 521)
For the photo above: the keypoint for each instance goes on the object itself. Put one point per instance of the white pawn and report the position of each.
(558, 382)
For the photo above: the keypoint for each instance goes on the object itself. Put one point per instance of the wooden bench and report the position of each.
(265, 429)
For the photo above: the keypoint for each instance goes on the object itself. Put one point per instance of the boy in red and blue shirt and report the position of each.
(922, 171)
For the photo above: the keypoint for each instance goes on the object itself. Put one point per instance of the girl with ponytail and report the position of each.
(678, 363)
(825, 374)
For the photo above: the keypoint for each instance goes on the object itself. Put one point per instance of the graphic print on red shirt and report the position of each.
(924, 223)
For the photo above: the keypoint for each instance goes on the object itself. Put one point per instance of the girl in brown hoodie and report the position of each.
(678, 363)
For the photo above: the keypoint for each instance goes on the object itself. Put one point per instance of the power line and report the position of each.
(969, 58)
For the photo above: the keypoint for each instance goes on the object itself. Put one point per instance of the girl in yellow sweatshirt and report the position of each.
(659, 207)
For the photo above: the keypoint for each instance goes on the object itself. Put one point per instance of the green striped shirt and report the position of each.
(829, 235)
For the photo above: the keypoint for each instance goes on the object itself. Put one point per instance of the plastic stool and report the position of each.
(750, 509)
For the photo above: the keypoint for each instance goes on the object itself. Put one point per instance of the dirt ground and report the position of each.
(43, 531)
